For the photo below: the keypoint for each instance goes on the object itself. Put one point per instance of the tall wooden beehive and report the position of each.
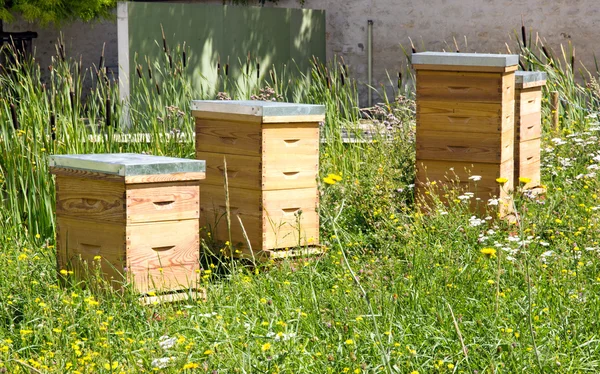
(465, 122)
(528, 125)
(272, 155)
(137, 216)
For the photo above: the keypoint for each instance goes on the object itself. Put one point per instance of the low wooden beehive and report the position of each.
(528, 126)
(272, 155)
(137, 216)
(465, 123)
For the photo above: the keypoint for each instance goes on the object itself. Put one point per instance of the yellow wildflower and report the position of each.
(489, 252)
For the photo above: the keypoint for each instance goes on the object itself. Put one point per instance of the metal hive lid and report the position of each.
(127, 164)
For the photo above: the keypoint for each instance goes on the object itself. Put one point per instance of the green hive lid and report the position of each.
(530, 78)
(257, 108)
(128, 164)
(464, 59)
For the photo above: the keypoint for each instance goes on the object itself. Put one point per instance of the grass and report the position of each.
(395, 291)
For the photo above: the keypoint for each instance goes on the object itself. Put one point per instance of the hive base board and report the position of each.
(172, 297)
(279, 254)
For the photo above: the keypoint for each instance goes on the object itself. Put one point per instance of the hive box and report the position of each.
(138, 213)
(465, 122)
(528, 125)
(272, 155)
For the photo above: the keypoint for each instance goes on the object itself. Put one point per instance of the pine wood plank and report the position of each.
(228, 137)
(314, 118)
(459, 86)
(485, 69)
(459, 117)
(162, 201)
(85, 174)
(530, 101)
(290, 218)
(527, 162)
(467, 147)
(242, 171)
(80, 241)
(242, 118)
(162, 178)
(529, 127)
(247, 204)
(162, 244)
(90, 198)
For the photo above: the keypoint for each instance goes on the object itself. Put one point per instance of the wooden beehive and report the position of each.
(528, 125)
(465, 122)
(272, 155)
(138, 213)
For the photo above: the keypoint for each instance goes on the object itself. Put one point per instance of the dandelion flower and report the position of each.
(349, 342)
(489, 252)
(265, 347)
(329, 180)
(335, 177)
(501, 180)
(524, 180)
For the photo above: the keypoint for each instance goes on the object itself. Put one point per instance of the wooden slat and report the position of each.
(467, 147)
(527, 162)
(162, 201)
(163, 178)
(79, 241)
(459, 117)
(172, 297)
(247, 204)
(485, 69)
(85, 174)
(274, 254)
(529, 127)
(162, 244)
(243, 118)
(90, 199)
(459, 172)
(314, 118)
(530, 101)
(242, 171)
(459, 86)
(243, 138)
(283, 226)
(290, 156)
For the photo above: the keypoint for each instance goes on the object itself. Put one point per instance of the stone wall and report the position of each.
(477, 26)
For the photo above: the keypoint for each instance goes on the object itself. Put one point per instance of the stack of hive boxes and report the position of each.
(465, 122)
(134, 216)
(528, 126)
(272, 155)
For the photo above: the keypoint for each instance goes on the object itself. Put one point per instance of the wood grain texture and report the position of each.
(162, 178)
(527, 162)
(242, 171)
(456, 175)
(228, 137)
(467, 147)
(93, 199)
(202, 115)
(244, 203)
(162, 244)
(483, 69)
(85, 174)
(162, 201)
(459, 117)
(290, 156)
(314, 118)
(290, 218)
(459, 86)
(269, 217)
(79, 241)
(530, 101)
